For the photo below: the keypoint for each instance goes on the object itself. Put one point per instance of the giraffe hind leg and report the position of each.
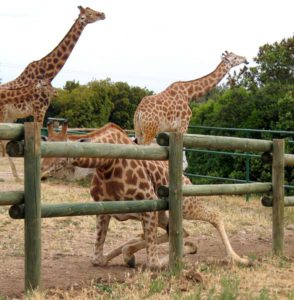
(130, 248)
(13, 169)
(193, 209)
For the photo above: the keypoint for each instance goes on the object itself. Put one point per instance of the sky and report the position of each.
(146, 43)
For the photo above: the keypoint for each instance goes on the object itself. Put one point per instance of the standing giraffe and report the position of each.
(128, 179)
(31, 100)
(169, 110)
(43, 70)
(50, 65)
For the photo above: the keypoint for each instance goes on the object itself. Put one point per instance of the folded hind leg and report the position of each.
(130, 248)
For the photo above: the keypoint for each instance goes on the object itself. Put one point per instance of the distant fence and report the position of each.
(28, 205)
(238, 132)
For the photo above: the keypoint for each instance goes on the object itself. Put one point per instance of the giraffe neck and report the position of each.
(108, 135)
(194, 89)
(50, 65)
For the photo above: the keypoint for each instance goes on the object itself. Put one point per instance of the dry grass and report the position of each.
(73, 238)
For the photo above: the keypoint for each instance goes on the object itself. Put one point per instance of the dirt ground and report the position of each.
(67, 243)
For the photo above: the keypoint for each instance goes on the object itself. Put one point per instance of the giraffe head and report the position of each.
(232, 60)
(88, 15)
(51, 165)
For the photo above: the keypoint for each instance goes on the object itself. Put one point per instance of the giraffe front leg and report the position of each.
(149, 223)
(102, 222)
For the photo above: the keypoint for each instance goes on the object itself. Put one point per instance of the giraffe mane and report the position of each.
(89, 135)
(200, 78)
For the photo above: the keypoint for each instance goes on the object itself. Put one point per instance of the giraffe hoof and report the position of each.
(190, 247)
(132, 262)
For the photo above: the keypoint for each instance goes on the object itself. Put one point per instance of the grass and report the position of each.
(270, 278)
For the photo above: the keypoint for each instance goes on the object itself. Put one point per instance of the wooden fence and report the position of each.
(26, 142)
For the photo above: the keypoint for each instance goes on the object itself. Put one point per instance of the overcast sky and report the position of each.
(147, 43)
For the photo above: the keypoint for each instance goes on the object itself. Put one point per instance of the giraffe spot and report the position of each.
(140, 173)
(96, 189)
(131, 192)
(65, 56)
(108, 174)
(139, 196)
(67, 41)
(133, 164)
(114, 188)
(117, 172)
(152, 167)
(173, 93)
(190, 90)
(50, 66)
(131, 178)
(143, 185)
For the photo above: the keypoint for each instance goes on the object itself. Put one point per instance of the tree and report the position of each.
(96, 103)
(125, 101)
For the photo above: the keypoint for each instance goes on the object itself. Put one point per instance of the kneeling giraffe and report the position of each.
(128, 179)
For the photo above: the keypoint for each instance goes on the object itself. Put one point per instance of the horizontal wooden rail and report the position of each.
(220, 189)
(289, 160)
(92, 208)
(11, 197)
(10, 131)
(268, 201)
(85, 149)
(219, 142)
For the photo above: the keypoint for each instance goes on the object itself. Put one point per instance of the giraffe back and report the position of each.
(31, 100)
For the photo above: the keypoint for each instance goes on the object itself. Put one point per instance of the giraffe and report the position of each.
(50, 65)
(129, 179)
(43, 70)
(31, 100)
(169, 110)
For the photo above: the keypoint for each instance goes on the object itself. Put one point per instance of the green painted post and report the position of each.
(32, 204)
(278, 165)
(175, 203)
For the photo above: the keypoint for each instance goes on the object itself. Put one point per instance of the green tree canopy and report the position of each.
(96, 103)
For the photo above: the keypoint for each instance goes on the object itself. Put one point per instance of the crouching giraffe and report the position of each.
(129, 179)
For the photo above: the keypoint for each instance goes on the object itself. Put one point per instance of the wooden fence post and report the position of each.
(32, 200)
(278, 165)
(175, 202)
